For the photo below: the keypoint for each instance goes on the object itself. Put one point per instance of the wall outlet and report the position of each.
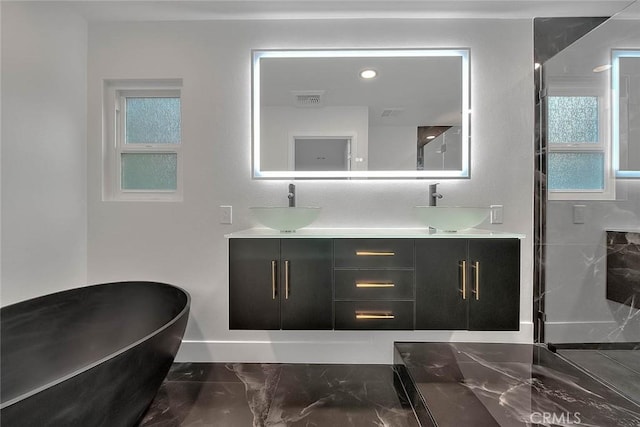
(225, 214)
(497, 214)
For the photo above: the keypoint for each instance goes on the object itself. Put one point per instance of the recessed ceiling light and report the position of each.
(601, 68)
(368, 73)
(536, 65)
(431, 137)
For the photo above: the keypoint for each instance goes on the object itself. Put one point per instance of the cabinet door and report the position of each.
(495, 284)
(305, 284)
(440, 303)
(253, 301)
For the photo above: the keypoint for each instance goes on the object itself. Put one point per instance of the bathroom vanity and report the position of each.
(374, 279)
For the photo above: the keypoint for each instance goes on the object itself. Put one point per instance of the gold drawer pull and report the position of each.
(375, 285)
(387, 315)
(273, 279)
(463, 270)
(374, 253)
(286, 279)
(476, 281)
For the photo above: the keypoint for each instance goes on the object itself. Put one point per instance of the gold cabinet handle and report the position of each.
(385, 315)
(286, 279)
(476, 279)
(375, 285)
(375, 253)
(273, 279)
(463, 270)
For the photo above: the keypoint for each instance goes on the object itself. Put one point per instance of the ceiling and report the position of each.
(186, 10)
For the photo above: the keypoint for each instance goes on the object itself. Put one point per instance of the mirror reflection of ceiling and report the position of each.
(435, 100)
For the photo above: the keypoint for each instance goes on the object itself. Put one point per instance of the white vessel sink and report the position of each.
(444, 218)
(284, 218)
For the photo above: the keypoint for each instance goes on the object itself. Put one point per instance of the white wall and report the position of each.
(183, 243)
(393, 147)
(44, 216)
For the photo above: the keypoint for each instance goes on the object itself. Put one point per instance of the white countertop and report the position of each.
(346, 233)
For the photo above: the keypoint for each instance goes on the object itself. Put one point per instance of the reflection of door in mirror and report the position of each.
(439, 148)
(321, 154)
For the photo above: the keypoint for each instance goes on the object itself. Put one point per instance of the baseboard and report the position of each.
(334, 347)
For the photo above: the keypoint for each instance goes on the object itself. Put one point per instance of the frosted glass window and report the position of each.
(572, 120)
(143, 119)
(576, 171)
(149, 171)
(152, 120)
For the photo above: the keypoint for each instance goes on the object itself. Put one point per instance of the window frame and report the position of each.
(116, 146)
(588, 88)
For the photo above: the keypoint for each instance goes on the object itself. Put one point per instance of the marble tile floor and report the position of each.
(449, 384)
(483, 384)
(279, 395)
(619, 369)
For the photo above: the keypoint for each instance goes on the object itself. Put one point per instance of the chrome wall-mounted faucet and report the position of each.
(292, 196)
(433, 194)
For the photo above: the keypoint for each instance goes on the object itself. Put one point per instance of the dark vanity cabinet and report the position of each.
(471, 284)
(280, 283)
(427, 283)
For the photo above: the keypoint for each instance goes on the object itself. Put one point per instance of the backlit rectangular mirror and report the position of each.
(625, 66)
(375, 113)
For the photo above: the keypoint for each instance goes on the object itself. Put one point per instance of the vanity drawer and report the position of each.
(373, 315)
(373, 253)
(373, 284)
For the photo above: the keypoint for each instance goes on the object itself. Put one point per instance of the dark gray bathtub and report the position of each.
(91, 356)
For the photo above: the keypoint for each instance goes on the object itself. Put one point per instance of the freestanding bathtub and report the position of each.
(91, 356)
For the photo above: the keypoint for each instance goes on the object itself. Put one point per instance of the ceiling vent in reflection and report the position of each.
(392, 112)
(308, 98)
